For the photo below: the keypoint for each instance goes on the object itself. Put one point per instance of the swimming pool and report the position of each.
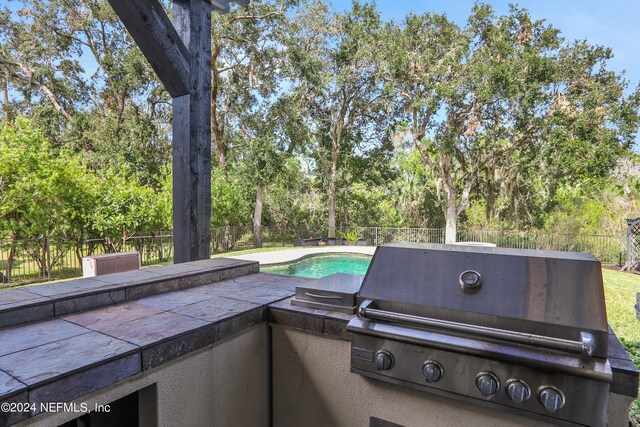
(322, 265)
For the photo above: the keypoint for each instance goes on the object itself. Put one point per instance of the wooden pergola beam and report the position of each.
(158, 40)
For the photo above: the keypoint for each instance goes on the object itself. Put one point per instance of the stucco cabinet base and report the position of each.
(312, 386)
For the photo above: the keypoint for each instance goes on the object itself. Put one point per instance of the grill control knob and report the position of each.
(551, 398)
(518, 391)
(432, 371)
(384, 360)
(470, 281)
(487, 383)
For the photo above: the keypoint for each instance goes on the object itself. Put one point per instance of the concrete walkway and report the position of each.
(288, 255)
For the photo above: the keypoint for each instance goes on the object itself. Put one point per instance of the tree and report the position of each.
(269, 137)
(335, 61)
(246, 59)
(485, 99)
(119, 113)
(43, 192)
(262, 161)
(127, 207)
(429, 72)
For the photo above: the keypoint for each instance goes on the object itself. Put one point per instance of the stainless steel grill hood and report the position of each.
(523, 330)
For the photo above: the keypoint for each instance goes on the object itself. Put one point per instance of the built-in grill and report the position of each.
(520, 330)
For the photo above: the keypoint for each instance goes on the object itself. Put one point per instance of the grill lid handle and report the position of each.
(584, 347)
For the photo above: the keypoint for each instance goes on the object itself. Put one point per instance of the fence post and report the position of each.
(633, 230)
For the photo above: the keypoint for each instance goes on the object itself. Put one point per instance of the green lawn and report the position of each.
(620, 291)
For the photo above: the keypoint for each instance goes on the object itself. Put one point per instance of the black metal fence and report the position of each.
(609, 249)
(44, 259)
(33, 260)
(225, 239)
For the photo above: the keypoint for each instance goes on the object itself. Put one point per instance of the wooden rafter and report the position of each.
(158, 40)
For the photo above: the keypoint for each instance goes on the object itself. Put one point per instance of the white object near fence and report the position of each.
(483, 244)
(97, 265)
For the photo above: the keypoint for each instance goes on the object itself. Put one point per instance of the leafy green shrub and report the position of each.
(351, 236)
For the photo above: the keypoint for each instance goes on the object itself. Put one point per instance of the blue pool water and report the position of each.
(319, 266)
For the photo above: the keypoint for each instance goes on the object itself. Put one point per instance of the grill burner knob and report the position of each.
(384, 360)
(518, 391)
(487, 383)
(432, 371)
(551, 398)
(470, 281)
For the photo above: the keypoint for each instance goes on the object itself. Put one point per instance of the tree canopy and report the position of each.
(319, 118)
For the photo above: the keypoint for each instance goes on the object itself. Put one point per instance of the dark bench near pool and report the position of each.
(307, 242)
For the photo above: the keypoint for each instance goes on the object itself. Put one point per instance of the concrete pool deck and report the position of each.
(288, 255)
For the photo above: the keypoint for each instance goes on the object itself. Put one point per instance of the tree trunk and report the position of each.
(332, 199)
(454, 207)
(221, 154)
(78, 251)
(160, 248)
(43, 258)
(451, 217)
(47, 243)
(345, 214)
(5, 98)
(257, 217)
(12, 252)
(217, 118)
(226, 239)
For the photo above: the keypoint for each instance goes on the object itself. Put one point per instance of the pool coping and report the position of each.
(288, 255)
(311, 256)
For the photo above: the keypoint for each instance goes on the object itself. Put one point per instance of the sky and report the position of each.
(613, 23)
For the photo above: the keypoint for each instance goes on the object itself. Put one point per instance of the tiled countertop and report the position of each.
(63, 357)
(33, 303)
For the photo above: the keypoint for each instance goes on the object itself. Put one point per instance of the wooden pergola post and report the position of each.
(180, 54)
(192, 137)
